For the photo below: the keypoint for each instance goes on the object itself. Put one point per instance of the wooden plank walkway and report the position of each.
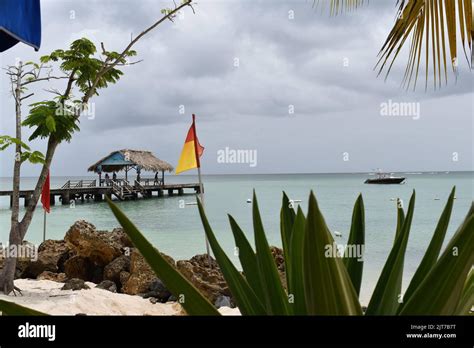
(87, 190)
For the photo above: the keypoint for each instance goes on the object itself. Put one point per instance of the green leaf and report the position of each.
(467, 298)
(434, 249)
(248, 259)
(356, 241)
(51, 123)
(276, 298)
(441, 291)
(246, 299)
(287, 219)
(295, 272)
(385, 299)
(194, 302)
(400, 219)
(10, 308)
(328, 287)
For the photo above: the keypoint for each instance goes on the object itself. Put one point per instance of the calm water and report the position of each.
(178, 231)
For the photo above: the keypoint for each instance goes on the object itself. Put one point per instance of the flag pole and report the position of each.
(201, 187)
(44, 226)
(201, 196)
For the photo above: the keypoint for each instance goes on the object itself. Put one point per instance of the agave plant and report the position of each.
(318, 284)
(321, 285)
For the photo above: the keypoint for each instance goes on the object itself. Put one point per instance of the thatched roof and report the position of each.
(118, 160)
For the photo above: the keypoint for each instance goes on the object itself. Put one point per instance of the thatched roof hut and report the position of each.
(126, 159)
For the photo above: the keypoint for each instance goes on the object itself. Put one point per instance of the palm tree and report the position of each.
(430, 27)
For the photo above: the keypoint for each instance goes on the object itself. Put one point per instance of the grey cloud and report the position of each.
(282, 62)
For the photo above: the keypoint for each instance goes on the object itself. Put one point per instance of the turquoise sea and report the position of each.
(177, 231)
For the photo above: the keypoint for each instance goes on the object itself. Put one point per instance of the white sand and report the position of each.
(46, 296)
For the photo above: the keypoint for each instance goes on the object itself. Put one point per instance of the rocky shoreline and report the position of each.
(109, 260)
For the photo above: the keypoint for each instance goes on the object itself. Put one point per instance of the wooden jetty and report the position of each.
(122, 189)
(88, 190)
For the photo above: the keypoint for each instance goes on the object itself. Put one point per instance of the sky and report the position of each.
(279, 82)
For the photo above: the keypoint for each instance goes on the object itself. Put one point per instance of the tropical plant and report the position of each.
(319, 282)
(430, 27)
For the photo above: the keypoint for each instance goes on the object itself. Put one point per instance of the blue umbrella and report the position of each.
(20, 20)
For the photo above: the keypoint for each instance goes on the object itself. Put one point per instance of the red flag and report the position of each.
(45, 196)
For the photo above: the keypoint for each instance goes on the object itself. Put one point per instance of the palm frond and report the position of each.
(340, 6)
(432, 27)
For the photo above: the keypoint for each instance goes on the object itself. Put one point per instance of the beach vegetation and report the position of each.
(320, 285)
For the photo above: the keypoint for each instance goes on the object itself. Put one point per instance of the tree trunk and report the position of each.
(14, 242)
(18, 230)
(9, 266)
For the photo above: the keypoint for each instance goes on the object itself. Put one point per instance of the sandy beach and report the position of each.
(46, 296)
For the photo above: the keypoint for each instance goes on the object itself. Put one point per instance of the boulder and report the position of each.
(101, 247)
(51, 257)
(55, 277)
(204, 273)
(279, 258)
(107, 285)
(124, 276)
(79, 267)
(158, 290)
(75, 284)
(141, 274)
(113, 270)
(223, 301)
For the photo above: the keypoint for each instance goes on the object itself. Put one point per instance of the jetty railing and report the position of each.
(139, 187)
(79, 184)
(117, 189)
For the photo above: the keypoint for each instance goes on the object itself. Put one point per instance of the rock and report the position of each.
(141, 274)
(124, 276)
(113, 270)
(205, 276)
(51, 257)
(75, 284)
(153, 300)
(107, 285)
(101, 247)
(158, 290)
(55, 277)
(279, 258)
(172, 298)
(79, 267)
(223, 301)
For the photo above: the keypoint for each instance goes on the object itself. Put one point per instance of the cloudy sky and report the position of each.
(276, 77)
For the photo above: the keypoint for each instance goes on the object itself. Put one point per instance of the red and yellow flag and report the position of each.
(191, 152)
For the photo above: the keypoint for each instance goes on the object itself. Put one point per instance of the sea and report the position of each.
(174, 227)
